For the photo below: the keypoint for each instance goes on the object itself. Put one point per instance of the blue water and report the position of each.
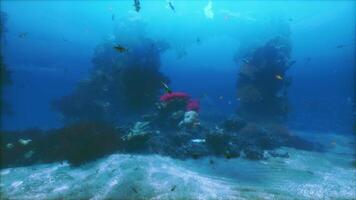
(57, 52)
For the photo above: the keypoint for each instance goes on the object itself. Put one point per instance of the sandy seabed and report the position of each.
(304, 175)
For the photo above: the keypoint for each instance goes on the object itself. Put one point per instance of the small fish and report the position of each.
(221, 97)
(245, 60)
(23, 35)
(9, 146)
(24, 142)
(166, 88)
(120, 48)
(211, 161)
(137, 5)
(290, 19)
(309, 172)
(198, 40)
(198, 140)
(113, 17)
(134, 189)
(173, 188)
(279, 77)
(340, 46)
(171, 6)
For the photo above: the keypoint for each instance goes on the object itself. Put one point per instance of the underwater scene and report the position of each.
(177, 99)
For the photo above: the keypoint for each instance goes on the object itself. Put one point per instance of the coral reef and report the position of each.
(191, 119)
(193, 105)
(262, 83)
(120, 83)
(167, 97)
(137, 137)
(83, 142)
(175, 108)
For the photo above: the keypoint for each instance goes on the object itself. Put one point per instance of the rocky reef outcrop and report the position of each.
(125, 79)
(77, 143)
(262, 84)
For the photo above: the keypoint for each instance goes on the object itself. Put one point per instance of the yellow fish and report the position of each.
(279, 77)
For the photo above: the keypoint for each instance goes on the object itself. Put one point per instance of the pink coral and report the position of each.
(174, 95)
(193, 105)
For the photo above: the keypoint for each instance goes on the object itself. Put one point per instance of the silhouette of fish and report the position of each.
(279, 77)
(23, 35)
(171, 6)
(198, 40)
(137, 5)
(120, 48)
(173, 188)
(340, 46)
(166, 88)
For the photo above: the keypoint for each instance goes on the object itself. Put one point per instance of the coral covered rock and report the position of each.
(174, 96)
(193, 105)
(262, 83)
(120, 83)
(140, 129)
(191, 119)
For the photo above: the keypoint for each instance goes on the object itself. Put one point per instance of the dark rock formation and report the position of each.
(121, 83)
(77, 143)
(262, 83)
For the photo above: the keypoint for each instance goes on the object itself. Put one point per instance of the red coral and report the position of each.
(174, 95)
(193, 105)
